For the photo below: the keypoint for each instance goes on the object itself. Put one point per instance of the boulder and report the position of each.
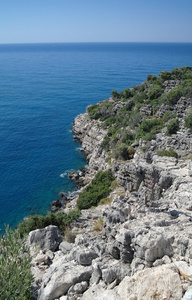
(42, 258)
(55, 205)
(149, 284)
(78, 288)
(59, 280)
(65, 247)
(47, 238)
(184, 269)
(152, 246)
(109, 275)
(96, 274)
(85, 256)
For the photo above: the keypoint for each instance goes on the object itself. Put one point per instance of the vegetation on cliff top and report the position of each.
(131, 114)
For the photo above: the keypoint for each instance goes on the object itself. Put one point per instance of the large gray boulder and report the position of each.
(60, 279)
(152, 246)
(84, 256)
(47, 238)
(153, 283)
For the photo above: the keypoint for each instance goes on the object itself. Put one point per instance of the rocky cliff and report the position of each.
(143, 248)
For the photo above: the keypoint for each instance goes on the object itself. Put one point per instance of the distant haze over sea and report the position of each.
(42, 88)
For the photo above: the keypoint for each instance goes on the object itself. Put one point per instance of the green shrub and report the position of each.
(140, 97)
(148, 129)
(174, 95)
(184, 89)
(128, 138)
(115, 95)
(124, 152)
(188, 122)
(186, 73)
(59, 219)
(110, 121)
(139, 88)
(93, 111)
(168, 115)
(169, 153)
(15, 276)
(135, 119)
(173, 127)
(187, 88)
(128, 107)
(105, 143)
(97, 190)
(151, 78)
(100, 111)
(165, 75)
(155, 91)
(177, 73)
(126, 94)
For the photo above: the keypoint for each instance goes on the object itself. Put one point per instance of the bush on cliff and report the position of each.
(172, 127)
(60, 219)
(99, 188)
(15, 276)
(188, 122)
(168, 115)
(148, 128)
(115, 95)
(170, 153)
(155, 91)
(123, 152)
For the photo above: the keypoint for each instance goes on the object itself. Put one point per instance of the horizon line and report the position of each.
(111, 42)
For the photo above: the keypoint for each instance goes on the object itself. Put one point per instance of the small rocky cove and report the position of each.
(138, 246)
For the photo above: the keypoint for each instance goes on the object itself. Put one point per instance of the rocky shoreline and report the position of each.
(143, 248)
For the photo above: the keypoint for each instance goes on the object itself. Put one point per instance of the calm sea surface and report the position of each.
(42, 88)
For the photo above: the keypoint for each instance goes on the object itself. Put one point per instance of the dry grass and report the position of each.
(98, 225)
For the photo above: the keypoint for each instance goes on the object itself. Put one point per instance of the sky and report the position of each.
(48, 21)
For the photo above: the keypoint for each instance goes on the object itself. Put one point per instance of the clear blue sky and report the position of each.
(30, 21)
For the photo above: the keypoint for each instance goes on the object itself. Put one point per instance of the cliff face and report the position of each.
(91, 135)
(144, 249)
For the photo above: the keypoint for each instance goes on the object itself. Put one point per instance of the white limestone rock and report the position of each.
(184, 269)
(153, 283)
(47, 238)
(59, 280)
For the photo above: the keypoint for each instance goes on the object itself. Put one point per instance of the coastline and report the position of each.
(26, 178)
(140, 233)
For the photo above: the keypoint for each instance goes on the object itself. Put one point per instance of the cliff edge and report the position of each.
(138, 245)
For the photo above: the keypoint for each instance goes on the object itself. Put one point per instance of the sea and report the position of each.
(43, 87)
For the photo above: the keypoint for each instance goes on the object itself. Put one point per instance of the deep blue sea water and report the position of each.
(42, 88)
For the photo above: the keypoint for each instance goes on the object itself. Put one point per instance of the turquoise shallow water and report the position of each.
(42, 88)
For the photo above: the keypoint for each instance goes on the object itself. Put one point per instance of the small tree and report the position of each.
(155, 91)
(173, 127)
(126, 94)
(15, 276)
(115, 95)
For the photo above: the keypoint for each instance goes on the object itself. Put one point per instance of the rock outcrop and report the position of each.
(90, 135)
(144, 249)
